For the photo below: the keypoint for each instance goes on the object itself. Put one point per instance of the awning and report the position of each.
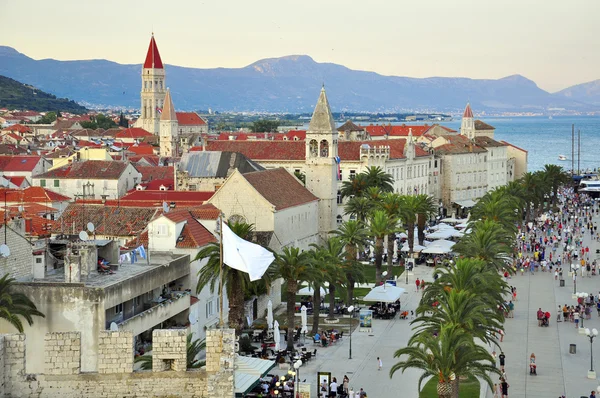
(248, 372)
(386, 294)
(439, 247)
(465, 203)
(416, 247)
(309, 291)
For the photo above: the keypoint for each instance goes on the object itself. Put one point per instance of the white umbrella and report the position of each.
(309, 291)
(270, 314)
(386, 294)
(439, 247)
(304, 320)
(276, 335)
(442, 233)
(416, 247)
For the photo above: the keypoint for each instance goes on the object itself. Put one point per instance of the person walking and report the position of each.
(502, 359)
(333, 387)
(504, 386)
(418, 283)
(346, 382)
(379, 363)
(559, 313)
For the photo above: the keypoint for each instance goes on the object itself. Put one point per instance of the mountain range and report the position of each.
(291, 84)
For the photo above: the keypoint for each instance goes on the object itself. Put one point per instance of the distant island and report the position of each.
(17, 95)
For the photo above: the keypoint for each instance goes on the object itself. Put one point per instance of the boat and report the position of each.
(562, 157)
(550, 117)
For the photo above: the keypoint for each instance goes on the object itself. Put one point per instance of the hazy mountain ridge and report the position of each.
(586, 92)
(289, 83)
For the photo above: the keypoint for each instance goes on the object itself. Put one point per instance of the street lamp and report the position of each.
(351, 311)
(293, 375)
(591, 334)
(296, 374)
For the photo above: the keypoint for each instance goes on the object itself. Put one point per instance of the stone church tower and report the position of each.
(153, 90)
(322, 163)
(467, 125)
(168, 128)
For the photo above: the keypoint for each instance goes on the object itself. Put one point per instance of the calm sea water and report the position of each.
(545, 138)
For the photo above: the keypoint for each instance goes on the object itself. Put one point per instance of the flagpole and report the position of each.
(221, 272)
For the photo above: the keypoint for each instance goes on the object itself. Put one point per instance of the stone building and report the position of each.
(153, 90)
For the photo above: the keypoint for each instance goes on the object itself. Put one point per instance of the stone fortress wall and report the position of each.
(62, 376)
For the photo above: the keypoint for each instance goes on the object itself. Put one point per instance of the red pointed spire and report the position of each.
(468, 111)
(153, 57)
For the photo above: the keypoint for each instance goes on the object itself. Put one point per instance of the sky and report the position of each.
(554, 43)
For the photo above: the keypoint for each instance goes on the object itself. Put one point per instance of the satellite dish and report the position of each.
(192, 318)
(4, 251)
(114, 327)
(84, 235)
(165, 207)
(90, 227)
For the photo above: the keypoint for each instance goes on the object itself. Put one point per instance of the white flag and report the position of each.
(245, 256)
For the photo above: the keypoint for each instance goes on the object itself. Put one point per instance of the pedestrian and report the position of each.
(504, 387)
(559, 313)
(496, 391)
(362, 393)
(379, 363)
(333, 388)
(593, 394)
(501, 335)
(324, 389)
(576, 318)
(502, 359)
(418, 283)
(422, 284)
(346, 382)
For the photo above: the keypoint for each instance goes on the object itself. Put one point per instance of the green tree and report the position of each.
(333, 273)
(355, 186)
(376, 177)
(448, 356)
(99, 121)
(391, 203)
(264, 126)
(123, 122)
(16, 305)
(425, 208)
(556, 177)
(408, 212)
(354, 235)
(301, 177)
(235, 282)
(380, 226)
(48, 118)
(490, 242)
(294, 267)
(359, 207)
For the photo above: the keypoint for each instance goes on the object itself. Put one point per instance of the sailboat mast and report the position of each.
(572, 149)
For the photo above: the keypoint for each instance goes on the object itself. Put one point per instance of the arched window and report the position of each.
(324, 149)
(314, 148)
(339, 219)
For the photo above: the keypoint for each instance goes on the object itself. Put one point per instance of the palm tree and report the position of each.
(391, 203)
(381, 225)
(376, 177)
(354, 235)
(193, 349)
(235, 282)
(425, 208)
(333, 251)
(490, 242)
(294, 267)
(556, 178)
(498, 207)
(319, 260)
(408, 212)
(360, 207)
(354, 187)
(448, 356)
(15, 305)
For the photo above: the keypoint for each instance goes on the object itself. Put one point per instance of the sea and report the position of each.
(545, 139)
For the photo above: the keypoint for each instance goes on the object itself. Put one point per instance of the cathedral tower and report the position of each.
(153, 90)
(467, 125)
(168, 128)
(322, 163)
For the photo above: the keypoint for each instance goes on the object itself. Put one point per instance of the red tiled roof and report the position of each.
(38, 226)
(26, 113)
(458, 144)
(189, 119)
(133, 132)
(167, 196)
(279, 188)
(292, 135)
(153, 56)
(88, 144)
(141, 149)
(150, 173)
(468, 112)
(396, 131)
(32, 195)
(18, 128)
(514, 146)
(207, 211)
(15, 137)
(92, 169)
(479, 125)
(15, 180)
(194, 234)
(152, 159)
(19, 163)
(155, 185)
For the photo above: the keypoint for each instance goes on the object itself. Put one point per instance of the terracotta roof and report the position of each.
(63, 124)
(153, 57)
(32, 195)
(59, 153)
(396, 131)
(133, 132)
(292, 135)
(159, 197)
(15, 180)
(19, 163)
(155, 185)
(350, 126)
(207, 211)
(468, 112)
(150, 173)
(151, 159)
(18, 128)
(514, 146)
(11, 149)
(479, 125)
(38, 226)
(91, 169)
(484, 142)
(194, 234)
(107, 219)
(189, 119)
(279, 188)
(26, 113)
(458, 144)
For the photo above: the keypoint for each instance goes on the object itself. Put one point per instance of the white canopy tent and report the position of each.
(248, 372)
(416, 247)
(444, 233)
(309, 291)
(441, 246)
(386, 294)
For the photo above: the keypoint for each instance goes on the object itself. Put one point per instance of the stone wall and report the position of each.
(169, 350)
(115, 352)
(19, 264)
(62, 379)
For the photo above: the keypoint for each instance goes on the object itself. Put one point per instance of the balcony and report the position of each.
(157, 314)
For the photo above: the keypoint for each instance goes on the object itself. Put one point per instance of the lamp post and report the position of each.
(296, 374)
(591, 334)
(574, 271)
(351, 311)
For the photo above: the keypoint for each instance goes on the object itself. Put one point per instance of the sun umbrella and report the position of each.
(276, 335)
(304, 320)
(386, 294)
(309, 291)
(270, 314)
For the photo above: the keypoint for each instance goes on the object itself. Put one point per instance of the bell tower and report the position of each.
(153, 90)
(322, 162)
(467, 125)
(168, 128)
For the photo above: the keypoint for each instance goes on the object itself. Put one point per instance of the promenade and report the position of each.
(559, 372)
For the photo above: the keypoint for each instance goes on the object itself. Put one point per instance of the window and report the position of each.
(339, 219)
(38, 260)
(42, 183)
(162, 230)
(193, 187)
(339, 197)
(136, 301)
(210, 310)
(56, 183)
(352, 174)
(119, 308)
